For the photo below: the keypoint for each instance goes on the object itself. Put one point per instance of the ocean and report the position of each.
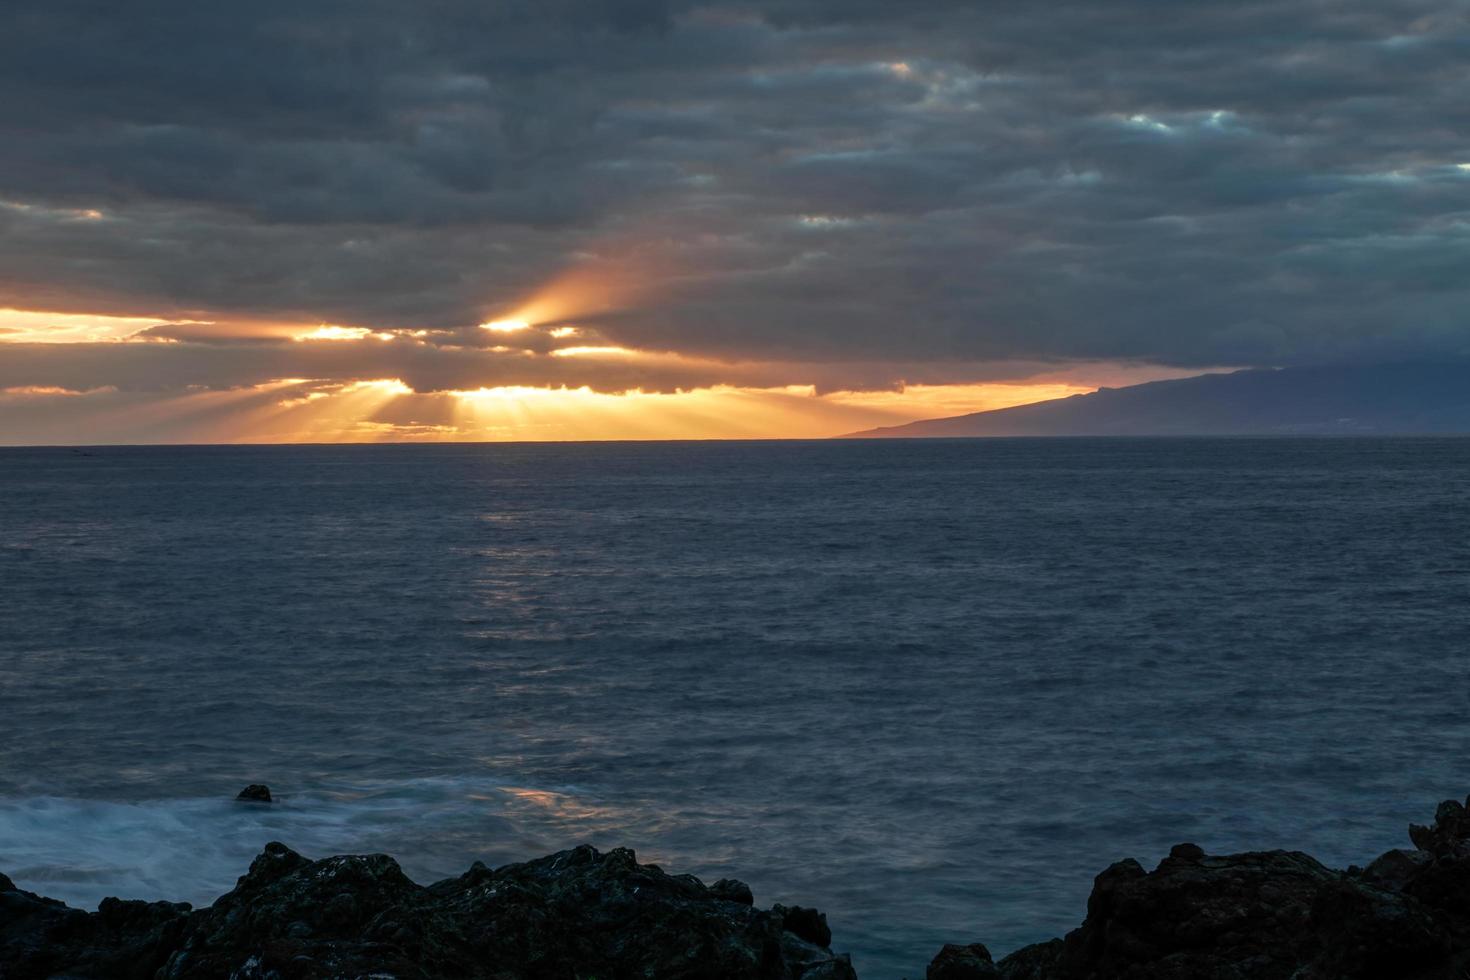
(931, 687)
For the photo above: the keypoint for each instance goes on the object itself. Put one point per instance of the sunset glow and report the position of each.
(331, 332)
(505, 326)
(904, 456)
(594, 351)
(375, 410)
(572, 358)
(40, 327)
(601, 389)
(689, 213)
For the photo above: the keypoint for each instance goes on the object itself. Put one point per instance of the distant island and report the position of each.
(1384, 399)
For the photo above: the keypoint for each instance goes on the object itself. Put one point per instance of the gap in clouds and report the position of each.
(299, 411)
(693, 195)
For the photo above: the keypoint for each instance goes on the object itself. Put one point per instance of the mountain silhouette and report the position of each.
(1382, 399)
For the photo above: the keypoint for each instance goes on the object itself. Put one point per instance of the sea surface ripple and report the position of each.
(930, 687)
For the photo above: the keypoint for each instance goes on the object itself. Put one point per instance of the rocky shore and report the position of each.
(582, 914)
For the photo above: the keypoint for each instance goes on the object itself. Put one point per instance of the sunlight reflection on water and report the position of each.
(932, 688)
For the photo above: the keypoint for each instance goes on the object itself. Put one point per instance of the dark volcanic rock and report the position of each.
(970, 962)
(1035, 962)
(580, 914)
(1394, 869)
(1272, 915)
(805, 923)
(41, 938)
(1247, 915)
(1450, 833)
(576, 914)
(254, 793)
(732, 890)
(1366, 931)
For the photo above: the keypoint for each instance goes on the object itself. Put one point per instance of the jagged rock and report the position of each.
(579, 913)
(1450, 833)
(1035, 962)
(1443, 884)
(970, 962)
(808, 924)
(42, 938)
(1394, 869)
(254, 793)
(1273, 915)
(732, 890)
(1187, 852)
(1242, 916)
(810, 961)
(1368, 932)
(1450, 816)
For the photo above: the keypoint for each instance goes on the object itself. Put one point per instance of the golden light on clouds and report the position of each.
(385, 386)
(602, 282)
(596, 351)
(63, 214)
(48, 391)
(505, 326)
(578, 391)
(387, 409)
(19, 326)
(329, 331)
(515, 413)
(939, 401)
(39, 327)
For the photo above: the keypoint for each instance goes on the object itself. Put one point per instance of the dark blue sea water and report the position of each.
(930, 687)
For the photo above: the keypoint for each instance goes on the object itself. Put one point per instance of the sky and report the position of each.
(341, 220)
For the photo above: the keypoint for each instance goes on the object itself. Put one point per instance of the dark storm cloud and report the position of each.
(814, 181)
(427, 367)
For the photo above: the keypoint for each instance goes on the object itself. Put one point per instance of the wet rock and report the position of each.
(1245, 915)
(1450, 817)
(732, 890)
(837, 968)
(808, 960)
(1450, 833)
(1367, 932)
(42, 938)
(1187, 852)
(970, 962)
(254, 793)
(808, 924)
(1272, 915)
(1394, 869)
(578, 913)
(1035, 962)
(1443, 884)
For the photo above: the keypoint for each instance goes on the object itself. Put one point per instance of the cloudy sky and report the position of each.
(363, 219)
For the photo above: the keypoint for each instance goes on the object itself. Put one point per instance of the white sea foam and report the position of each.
(194, 849)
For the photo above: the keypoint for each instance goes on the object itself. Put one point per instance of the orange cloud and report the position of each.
(297, 410)
(42, 327)
(545, 378)
(603, 283)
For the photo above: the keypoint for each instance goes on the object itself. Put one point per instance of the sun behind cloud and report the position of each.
(547, 380)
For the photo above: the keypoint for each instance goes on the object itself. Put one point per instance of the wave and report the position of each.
(194, 849)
